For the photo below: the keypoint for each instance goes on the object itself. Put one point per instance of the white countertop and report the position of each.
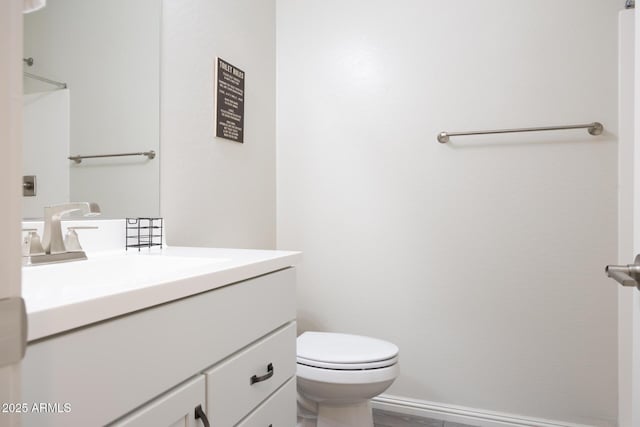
(64, 296)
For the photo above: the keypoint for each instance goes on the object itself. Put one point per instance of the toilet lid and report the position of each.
(344, 351)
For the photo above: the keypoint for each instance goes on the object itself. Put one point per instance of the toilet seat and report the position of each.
(336, 351)
(347, 366)
(341, 376)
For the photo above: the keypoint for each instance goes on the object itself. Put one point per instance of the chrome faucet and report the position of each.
(52, 240)
(54, 248)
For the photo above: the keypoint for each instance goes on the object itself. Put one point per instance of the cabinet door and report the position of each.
(176, 408)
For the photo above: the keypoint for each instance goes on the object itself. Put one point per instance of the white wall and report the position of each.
(108, 54)
(216, 192)
(483, 258)
(45, 147)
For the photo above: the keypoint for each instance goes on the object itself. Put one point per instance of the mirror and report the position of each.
(108, 54)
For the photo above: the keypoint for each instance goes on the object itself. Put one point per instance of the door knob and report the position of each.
(626, 275)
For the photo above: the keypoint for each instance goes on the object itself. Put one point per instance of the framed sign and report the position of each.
(229, 101)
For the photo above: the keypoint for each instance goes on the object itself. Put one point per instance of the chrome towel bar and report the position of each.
(594, 128)
(78, 159)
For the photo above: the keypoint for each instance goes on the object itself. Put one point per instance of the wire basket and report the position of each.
(144, 233)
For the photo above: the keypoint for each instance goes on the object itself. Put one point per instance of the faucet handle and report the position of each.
(71, 240)
(31, 244)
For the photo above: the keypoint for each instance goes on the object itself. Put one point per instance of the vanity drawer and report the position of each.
(278, 411)
(239, 384)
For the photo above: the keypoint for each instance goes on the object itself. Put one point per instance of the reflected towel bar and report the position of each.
(594, 128)
(78, 159)
(61, 85)
(29, 62)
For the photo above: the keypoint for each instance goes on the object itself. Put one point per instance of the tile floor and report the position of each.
(392, 419)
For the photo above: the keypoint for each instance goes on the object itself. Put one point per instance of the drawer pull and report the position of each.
(201, 415)
(269, 374)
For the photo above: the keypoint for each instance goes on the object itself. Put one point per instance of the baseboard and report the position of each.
(460, 414)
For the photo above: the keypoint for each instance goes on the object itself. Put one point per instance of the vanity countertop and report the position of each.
(61, 297)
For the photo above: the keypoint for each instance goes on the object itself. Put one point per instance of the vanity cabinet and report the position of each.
(230, 350)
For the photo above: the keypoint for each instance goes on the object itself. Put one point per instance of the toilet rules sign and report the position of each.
(229, 95)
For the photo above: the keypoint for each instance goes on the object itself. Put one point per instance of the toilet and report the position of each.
(337, 374)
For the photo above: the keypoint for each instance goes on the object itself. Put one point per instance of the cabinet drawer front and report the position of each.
(278, 411)
(239, 384)
(175, 408)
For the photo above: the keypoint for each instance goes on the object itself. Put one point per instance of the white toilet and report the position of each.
(337, 374)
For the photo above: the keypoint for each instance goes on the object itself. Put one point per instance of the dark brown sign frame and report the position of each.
(229, 109)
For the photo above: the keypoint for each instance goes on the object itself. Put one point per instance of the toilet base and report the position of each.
(353, 415)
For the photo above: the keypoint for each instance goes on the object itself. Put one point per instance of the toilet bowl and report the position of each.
(337, 374)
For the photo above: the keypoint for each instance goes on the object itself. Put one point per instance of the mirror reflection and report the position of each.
(91, 87)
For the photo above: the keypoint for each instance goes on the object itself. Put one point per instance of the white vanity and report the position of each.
(131, 339)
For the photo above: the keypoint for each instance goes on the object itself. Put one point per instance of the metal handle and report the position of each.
(626, 275)
(256, 379)
(31, 244)
(200, 415)
(78, 159)
(594, 128)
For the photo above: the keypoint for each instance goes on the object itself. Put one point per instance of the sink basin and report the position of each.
(80, 280)
(64, 296)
